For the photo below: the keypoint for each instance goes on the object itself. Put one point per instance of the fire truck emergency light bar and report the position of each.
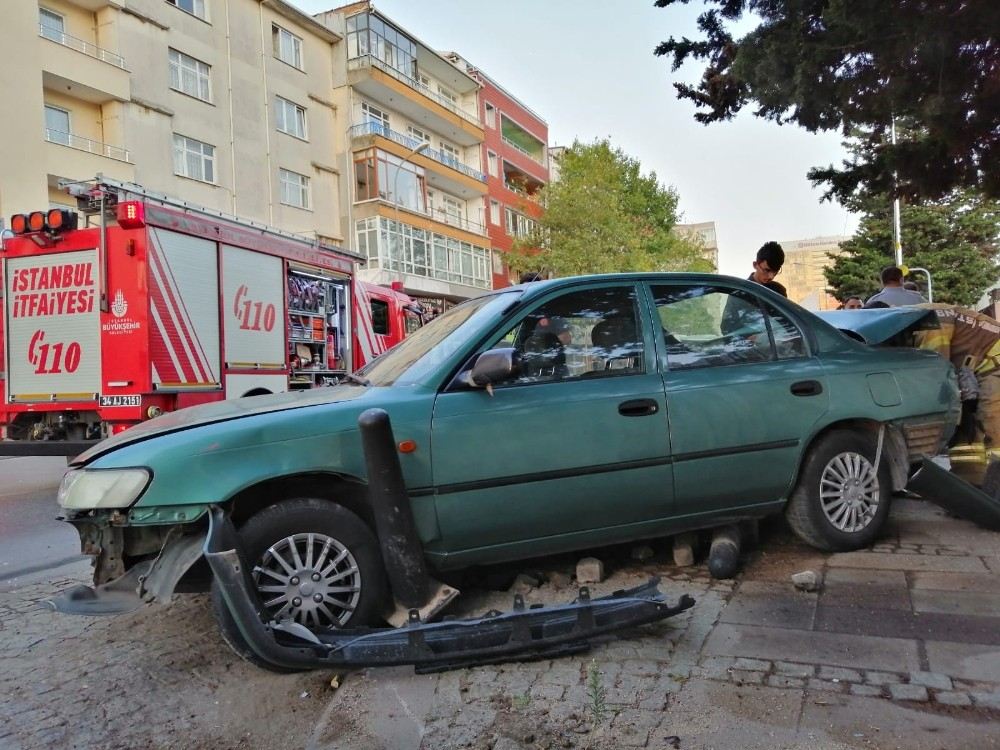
(54, 221)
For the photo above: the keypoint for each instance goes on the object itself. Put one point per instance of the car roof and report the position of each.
(536, 288)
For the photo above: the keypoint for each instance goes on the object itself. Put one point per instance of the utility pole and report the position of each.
(897, 239)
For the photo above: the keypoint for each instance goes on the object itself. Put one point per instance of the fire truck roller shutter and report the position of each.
(184, 311)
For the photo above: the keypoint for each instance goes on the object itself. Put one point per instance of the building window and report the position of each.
(190, 76)
(448, 94)
(194, 159)
(194, 7)
(52, 25)
(371, 113)
(294, 188)
(370, 35)
(420, 136)
(56, 125)
(449, 155)
(290, 117)
(518, 225)
(378, 174)
(492, 164)
(287, 47)
(491, 115)
(407, 249)
(495, 212)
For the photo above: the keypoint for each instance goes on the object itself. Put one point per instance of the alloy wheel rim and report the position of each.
(309, 578)
(849, 492)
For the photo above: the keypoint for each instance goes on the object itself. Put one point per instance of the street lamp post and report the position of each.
(395, 189)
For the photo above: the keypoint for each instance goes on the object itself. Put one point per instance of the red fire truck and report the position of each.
(158, 304)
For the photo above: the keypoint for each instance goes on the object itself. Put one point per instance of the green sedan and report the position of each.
(538, 419)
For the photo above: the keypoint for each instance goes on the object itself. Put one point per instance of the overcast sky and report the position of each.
(587, 67)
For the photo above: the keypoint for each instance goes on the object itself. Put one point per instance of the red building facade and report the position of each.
(515, 160)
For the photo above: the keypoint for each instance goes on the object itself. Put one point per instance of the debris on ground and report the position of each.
(524, 582)
(684, 545)
(807, 580)
(589, 570)
(642, 552)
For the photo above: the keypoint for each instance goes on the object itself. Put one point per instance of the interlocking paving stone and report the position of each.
(782, 681)
(955, 582)
(965, 661)
(917, 693)
(866, 691)
(839, 673)
(873, 561)
(950, 698)
(826, 648)
(931, 680)
(827, 686)
(989, 700)
(899, 624)
(957, 602)
(794, 670)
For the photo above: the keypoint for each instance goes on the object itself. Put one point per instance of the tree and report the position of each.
(602, 215)
(849, 64)
(957, 239)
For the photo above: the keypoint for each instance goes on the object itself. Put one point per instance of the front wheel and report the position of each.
(840, 502)
(314, 563)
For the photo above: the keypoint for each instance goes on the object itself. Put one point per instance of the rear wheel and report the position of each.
(840, 502)
(314, 563)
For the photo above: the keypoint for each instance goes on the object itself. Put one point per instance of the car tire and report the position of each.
(839, 503)
(283, 535)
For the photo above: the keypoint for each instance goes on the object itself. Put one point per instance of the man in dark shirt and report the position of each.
(743, 314)
(770, 258)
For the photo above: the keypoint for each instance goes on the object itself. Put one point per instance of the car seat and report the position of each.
(618, 342)
(543, 356)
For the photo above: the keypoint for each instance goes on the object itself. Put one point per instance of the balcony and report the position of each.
(523, 151)
(93, 74)
(375, 128)
(458, 180)
(419, 103)
(80, 143)
(91, 50)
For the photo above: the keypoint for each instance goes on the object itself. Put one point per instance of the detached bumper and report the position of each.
(955, 495)
(523, 633)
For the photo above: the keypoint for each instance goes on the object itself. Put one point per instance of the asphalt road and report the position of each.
(31, 540)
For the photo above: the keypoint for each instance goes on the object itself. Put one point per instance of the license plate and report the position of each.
(121, 401)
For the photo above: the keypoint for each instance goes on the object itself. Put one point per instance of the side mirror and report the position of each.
(494, 366)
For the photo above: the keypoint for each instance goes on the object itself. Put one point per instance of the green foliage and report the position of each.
(604, 216)
(956, 239)
(845, 64)
(596, 694)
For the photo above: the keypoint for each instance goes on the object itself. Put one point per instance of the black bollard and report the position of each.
(397, 533)
(724, 555)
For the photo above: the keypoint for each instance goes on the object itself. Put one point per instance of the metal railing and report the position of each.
(91, 50)
(377, 128)
(366, 61)
(526, 153)
(442, 215)
(86, 144)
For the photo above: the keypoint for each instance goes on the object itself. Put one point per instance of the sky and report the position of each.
(587, 68)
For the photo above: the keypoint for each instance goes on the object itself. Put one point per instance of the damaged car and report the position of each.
(555, 416)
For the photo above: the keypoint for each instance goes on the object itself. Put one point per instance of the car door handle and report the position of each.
(639, 407)
(806, 388)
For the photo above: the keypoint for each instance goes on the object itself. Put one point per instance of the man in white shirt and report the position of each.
(893, 294)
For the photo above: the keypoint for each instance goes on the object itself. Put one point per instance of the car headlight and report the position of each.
(83, 489)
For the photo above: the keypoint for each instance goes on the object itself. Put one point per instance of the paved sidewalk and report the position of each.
(899, 649)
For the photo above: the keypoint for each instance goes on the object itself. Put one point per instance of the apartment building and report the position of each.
(411, 140)
(515, 154)
(802, 274)
(704, 233)
(225, 103)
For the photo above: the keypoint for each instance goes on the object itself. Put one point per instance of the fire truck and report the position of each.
(156, 304)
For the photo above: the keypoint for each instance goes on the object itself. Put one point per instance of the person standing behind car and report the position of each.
(893, 293)
(770, 258)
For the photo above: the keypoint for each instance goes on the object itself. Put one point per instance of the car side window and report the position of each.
(709, 326)
(585, 334)
(788, 340)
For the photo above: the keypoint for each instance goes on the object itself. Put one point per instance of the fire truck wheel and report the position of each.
(314, 562)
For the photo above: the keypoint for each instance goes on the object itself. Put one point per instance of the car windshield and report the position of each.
(432, 344)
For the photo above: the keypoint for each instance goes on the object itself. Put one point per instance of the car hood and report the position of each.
(879, 325)
(221, 411)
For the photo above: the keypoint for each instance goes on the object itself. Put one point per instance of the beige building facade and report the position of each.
(225, 103)
(704, 233)
(802, 274)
